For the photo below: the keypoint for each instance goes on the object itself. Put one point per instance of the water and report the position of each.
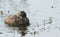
(37, 11)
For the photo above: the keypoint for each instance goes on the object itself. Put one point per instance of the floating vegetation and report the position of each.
(48, 21)
(37, 25)
(52, 7)
(42, 29)
(36, 32)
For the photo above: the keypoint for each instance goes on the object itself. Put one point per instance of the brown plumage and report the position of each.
(19, 20)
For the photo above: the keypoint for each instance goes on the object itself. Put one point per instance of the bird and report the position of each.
(19, 20)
